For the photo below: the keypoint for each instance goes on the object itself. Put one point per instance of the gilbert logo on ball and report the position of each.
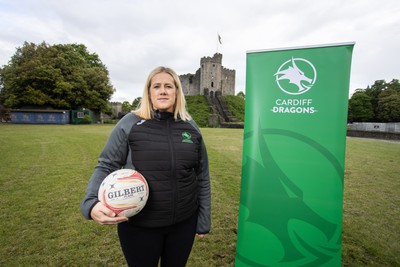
(125, 192)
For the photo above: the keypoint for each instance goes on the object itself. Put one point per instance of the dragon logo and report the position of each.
(296, 76)
(290, 225)
(186, 137)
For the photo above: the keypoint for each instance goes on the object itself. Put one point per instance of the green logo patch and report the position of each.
(187, 137)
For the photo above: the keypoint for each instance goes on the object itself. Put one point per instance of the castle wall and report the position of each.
(116, 108)
(196, 82)
(190, 83)
(228, 81)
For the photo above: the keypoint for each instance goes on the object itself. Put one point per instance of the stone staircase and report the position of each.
(222, 116)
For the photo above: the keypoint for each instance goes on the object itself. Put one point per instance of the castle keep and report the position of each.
(211, 78)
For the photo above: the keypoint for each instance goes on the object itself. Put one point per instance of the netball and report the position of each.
(124, 191)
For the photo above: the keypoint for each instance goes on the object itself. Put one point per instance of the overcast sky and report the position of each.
(133, 37)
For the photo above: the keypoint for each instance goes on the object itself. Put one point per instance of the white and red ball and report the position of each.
(125, 192)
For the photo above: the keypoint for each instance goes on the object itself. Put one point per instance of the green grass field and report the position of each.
(44, 170)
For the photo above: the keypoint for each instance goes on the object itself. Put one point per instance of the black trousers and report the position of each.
(144, 247)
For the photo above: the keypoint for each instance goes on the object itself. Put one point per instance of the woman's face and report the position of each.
(163, 92)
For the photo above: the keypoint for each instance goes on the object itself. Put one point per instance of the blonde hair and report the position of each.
(145, 109)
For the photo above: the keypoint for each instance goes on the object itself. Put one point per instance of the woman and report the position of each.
(162, 142)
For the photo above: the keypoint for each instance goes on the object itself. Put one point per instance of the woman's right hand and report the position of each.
(103, 215)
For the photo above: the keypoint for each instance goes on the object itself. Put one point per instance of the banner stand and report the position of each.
(291, 203)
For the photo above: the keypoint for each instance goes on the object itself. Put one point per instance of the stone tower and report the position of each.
(212, 77)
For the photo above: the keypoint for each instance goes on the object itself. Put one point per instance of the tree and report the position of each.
(64, 76)
(388, 109)
(374, 92)
(395, 85)
(136, 102)
(241, 94)
(360, 107)
(126, 106)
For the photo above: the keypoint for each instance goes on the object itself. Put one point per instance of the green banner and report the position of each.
(291, 201)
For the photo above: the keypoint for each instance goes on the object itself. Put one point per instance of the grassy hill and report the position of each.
(199, 109)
